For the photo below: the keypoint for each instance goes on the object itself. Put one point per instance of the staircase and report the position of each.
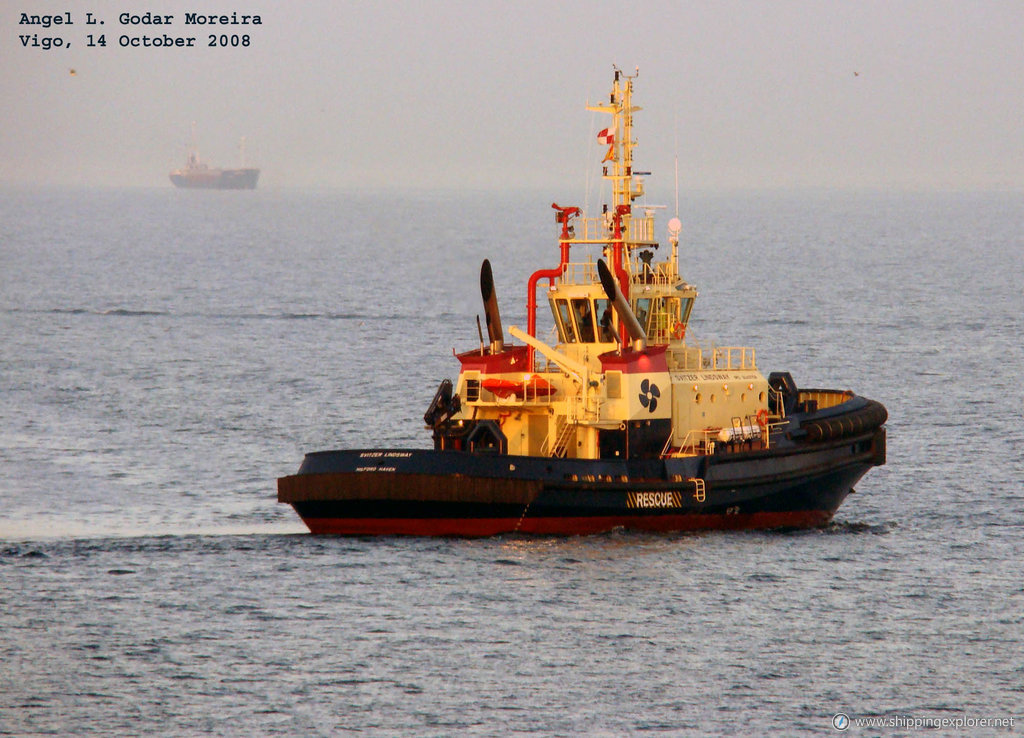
(563, 432)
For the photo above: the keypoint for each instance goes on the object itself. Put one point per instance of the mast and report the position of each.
(619, 136)
(625, 236)
(193, 151)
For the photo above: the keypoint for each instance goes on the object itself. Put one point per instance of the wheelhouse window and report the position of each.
(584, 313)
(659, 321)
(563, 320)
(605, 320)
(582, 320)
(662, 316)
(643, 311)
(687, 306)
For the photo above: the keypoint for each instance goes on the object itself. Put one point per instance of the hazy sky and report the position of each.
(917, 94)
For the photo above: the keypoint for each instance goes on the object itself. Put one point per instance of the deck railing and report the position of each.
(601, 230)
(722, 358)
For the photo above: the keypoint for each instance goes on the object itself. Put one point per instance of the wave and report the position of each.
(114, 312)
(146, 313)
(124, 312)
(43, 539)
(843, 527)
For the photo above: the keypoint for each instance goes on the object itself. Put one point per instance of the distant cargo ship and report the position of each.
(197, 175)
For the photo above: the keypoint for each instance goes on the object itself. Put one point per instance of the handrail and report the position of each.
(585, 273)
(600, 229)
(697, 441)
(722, 358)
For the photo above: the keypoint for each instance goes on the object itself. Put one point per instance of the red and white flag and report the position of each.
(606, 136)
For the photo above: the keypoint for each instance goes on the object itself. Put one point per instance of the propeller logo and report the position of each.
(649, 394)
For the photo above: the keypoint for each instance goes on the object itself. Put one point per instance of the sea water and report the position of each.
(165, 355)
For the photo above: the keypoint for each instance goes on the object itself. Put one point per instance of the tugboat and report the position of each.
(622, 422)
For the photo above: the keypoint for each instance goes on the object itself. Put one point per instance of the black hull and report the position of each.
(797, 483)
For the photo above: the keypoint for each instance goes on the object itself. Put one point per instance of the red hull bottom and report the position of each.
(562, 526)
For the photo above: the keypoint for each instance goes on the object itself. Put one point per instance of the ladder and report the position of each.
(563, 431)
(699, 489)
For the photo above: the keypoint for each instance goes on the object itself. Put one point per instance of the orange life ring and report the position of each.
(762, 418)
(679, 331)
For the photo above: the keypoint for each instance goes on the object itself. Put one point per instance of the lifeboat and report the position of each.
(529, 386)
